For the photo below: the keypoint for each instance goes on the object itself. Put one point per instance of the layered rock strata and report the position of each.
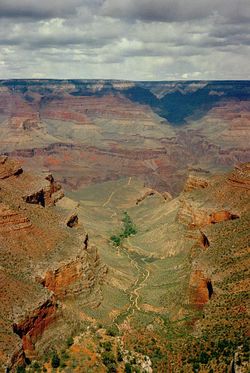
(42, 262)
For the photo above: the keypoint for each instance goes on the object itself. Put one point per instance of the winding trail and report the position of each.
(142, 276)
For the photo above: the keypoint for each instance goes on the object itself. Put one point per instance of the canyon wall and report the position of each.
(43, 262)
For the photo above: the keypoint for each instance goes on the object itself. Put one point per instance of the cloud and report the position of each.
(36, 9)
(123, 39)
(176, 10)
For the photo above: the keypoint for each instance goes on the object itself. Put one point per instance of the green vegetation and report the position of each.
(21, 369)
(113, 331)
(129, 229)
(109, 360)
(107, 345)
(70, 341)
(55, 360)
(128, 368)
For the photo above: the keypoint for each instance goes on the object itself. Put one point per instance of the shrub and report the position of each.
(116, 240)
(20, 369)
(204, 357)
(55, 361)
(70, 341)
(36, 365)
(112, 331)
(107, 345)
(111, 368)
(119, 355)
(128, 368)
(64, 355)
(108, 358)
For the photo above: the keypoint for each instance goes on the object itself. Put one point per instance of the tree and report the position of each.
(129, 229)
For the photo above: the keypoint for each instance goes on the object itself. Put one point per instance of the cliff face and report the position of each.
(47, 194)
(212, 209)
(33, 326)
(76, 277)
(40, 256)
(200, 289)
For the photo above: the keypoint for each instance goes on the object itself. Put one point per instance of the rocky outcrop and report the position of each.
(33, 326)
(9, 167)
(148, 193)
(76, 277)
(204, 240)
(219, 216)
(46, 194)
(195, 182)
(151, 192)
(195, 216)
(200, 288)
(36, 245)
(11, 220)
(24, 123)
(72, 220)
(240, 177)
(167, 196)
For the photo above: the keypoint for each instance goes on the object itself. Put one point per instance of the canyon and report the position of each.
(77, 157)
(92, 131)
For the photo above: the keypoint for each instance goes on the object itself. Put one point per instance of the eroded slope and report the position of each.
(43, 264)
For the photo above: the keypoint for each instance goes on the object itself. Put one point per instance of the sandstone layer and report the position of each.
(39, 256)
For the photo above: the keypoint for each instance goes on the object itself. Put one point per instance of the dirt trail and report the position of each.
(114, 191)
(109, 199)
(142, 276)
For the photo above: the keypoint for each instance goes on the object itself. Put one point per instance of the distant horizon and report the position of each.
(125, 80)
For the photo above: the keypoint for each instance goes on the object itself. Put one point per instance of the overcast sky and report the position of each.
(125, 39)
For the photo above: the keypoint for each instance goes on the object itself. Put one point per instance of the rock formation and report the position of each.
(76, 277)
(195, 182)
(72, 220)
(39, 256)
(33, 326)
(200, 288)
(9, 168)
(46, 193)
(240, 177)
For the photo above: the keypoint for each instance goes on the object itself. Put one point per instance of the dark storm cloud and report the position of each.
(176, 10)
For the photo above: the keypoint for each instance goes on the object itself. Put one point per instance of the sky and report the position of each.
(125, 39)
